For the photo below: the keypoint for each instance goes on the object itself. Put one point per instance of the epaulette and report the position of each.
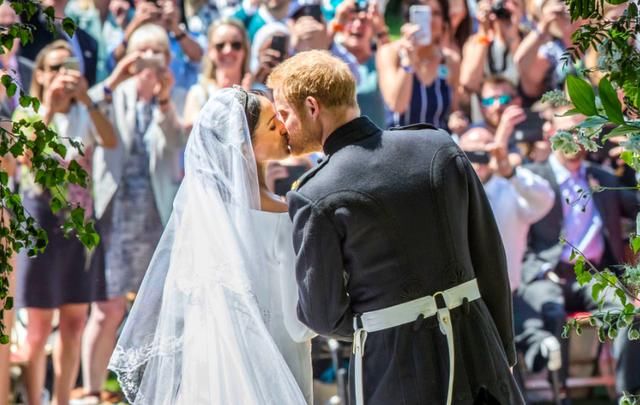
(413, 127)
(305, 177)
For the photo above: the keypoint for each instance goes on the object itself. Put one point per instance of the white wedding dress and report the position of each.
(277, 294)
(214, 321)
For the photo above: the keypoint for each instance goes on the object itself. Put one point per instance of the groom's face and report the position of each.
(304, 132)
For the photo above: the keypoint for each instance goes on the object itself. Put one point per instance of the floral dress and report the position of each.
(132, 223)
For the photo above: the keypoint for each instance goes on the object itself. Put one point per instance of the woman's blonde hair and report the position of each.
(36, 89)
(315, 74)
(208, 66)
(149, 34)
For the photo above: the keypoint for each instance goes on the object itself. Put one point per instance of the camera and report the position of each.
(361, 6)
(156, 62)
(498, 9)
(478, 156)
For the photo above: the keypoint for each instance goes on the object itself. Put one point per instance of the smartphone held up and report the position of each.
(420, 15)
(155, 61)
(279, 43)
(71, 63)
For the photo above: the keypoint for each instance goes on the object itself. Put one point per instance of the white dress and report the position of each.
(214, 322)
(277, 294)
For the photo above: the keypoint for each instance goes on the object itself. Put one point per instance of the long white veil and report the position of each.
(195, 334)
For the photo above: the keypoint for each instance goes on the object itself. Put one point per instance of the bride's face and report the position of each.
(270, 136)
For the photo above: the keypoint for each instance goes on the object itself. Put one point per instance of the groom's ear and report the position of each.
(312, 106)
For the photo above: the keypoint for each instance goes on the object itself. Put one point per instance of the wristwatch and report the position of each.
(336, 26)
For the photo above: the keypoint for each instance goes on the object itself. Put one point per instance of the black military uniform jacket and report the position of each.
(389, 217)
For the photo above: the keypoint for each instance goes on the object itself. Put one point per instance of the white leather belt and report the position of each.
(409, 312)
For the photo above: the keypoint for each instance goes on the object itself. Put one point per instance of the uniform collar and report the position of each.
(349, 133)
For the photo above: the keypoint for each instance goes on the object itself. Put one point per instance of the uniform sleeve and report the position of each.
(323, 302)
(489, 260)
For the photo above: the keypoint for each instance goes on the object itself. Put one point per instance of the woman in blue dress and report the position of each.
(419, 79)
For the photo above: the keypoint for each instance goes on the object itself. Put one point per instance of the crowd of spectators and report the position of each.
(129, 85)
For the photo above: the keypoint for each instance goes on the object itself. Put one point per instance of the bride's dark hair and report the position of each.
(251, 104)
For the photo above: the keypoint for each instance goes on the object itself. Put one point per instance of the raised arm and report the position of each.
(536, 195)
(395, 77)
(474, 58)
(475, 51)
(105, 133)
(189, 45)
(167, 118)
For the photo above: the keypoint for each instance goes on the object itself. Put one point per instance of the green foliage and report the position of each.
(613, 39)
(43, 148)
(610, 102)
(582, 96)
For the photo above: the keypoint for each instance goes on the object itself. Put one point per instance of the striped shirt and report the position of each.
(429, 104)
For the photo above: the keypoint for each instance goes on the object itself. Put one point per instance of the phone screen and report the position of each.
(311, 10)
(530, 130)
(279, 43)
(420, 15)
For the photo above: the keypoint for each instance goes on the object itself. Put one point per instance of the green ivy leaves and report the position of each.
(44, 149)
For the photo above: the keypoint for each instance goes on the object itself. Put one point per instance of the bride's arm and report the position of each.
(298, 331)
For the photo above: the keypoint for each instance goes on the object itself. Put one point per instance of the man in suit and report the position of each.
(85, 48)
(591, 222)
(397, 248)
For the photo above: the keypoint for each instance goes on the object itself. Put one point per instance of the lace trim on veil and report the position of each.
(129, 365)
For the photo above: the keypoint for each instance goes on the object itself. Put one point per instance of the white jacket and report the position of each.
(165, 138)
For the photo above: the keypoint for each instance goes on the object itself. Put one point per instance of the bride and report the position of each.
(215, 319)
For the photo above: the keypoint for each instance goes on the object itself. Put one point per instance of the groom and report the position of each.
(397, 248)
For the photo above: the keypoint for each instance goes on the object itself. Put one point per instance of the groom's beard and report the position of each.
(304, 149)
(307, 139)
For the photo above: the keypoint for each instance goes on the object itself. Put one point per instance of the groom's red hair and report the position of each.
(315, 74)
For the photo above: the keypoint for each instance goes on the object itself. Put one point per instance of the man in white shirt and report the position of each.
(518, 198)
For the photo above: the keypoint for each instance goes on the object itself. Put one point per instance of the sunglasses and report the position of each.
(55, 68)
(502, 100)
(235, 45)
